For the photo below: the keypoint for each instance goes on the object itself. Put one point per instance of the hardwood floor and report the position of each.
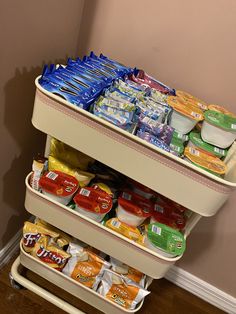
(165, 298)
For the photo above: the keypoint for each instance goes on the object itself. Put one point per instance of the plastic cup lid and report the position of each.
(223, 121)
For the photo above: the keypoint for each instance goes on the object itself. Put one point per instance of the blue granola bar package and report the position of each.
(125, 88)
(116, 94)
(118, 113)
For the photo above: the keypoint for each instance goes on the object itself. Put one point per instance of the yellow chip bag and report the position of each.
(63, 238)
(121, 290)
(83, 177)
(32, 234)
(85, 266)
(126, 230)
(50, 253)
(69, 155)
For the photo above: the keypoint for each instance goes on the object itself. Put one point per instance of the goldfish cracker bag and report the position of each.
(69, 155)
(50, 253)
(128, 271)
(85, 266)
(32, 234)
(121, 290)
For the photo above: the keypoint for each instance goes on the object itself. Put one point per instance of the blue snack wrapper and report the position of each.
(67, 94)
(155, 141)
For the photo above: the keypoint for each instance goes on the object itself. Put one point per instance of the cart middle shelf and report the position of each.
(95, 234)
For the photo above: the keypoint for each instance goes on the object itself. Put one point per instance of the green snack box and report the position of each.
(221, 120)
(196, 139)
(166, 238)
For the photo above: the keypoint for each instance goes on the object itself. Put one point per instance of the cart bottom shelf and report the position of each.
(66, 283)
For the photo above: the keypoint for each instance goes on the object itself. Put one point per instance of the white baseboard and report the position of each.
(10, 248)
(202, 289)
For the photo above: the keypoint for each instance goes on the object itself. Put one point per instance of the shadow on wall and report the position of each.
(86, 26)
(19, 99)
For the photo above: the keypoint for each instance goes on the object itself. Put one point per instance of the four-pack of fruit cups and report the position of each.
(138, 103)
(107, 276)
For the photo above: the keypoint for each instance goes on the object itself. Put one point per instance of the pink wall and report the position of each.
(191, 46)
(32, 33)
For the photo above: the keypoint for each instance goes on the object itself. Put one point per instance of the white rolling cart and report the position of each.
(192, 187)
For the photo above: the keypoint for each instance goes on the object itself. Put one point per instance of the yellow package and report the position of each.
(63, 238)
(192, 99)
(85, 266)
(103, 187)
(210, 163)
(129, 232)
(50, 253)
(83, 177)
(121, 290)
(69, 155)
(187, 109)
(32, 234)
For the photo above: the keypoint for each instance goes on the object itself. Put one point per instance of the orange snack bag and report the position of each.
(85, 266)
(121, 290)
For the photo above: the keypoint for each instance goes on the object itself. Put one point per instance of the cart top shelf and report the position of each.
(163, 172)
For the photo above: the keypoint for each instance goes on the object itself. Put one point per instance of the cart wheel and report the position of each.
(14, 283)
